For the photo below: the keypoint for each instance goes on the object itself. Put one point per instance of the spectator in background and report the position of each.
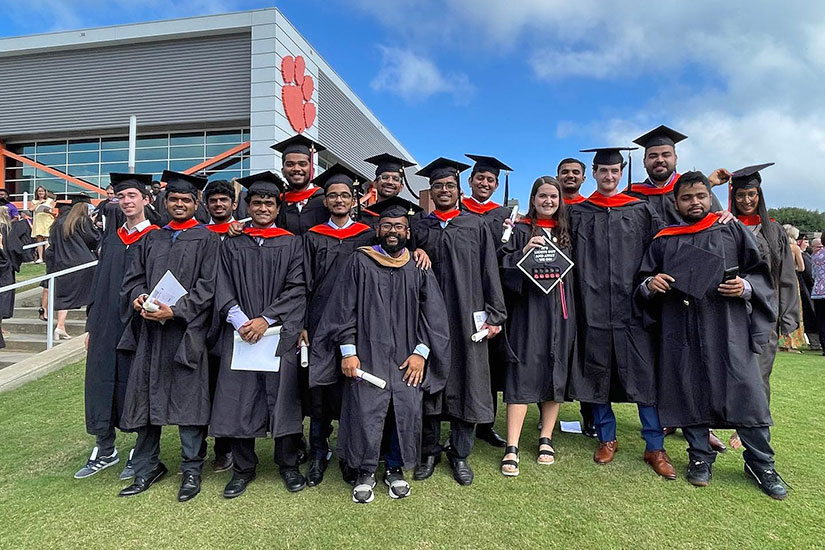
(42, 208)
(818, 290)
(5, 200)
(806, 283)
(794, 341)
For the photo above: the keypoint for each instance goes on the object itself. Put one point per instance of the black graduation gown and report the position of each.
(159, 206)
(263, 280)
(616, 360)
(542, 340)
(312, 213)
(707, 369)
(806, 284)
(464, 262)
(113, 217)
(5, 265)
(169, 377)
(369, 217)
(13, 249)
(22, 229)
(494, 218)
(71, 291)
(326, 250)
(664, 203)
(386, 312)
(107, 368)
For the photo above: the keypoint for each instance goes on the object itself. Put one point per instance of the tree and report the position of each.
(807, 221)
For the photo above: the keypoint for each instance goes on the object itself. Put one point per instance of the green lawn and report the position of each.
(30, 271)
(573, 504)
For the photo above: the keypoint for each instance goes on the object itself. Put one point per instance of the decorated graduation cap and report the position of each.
(339, 173)
(748, 177)
(442, 168)
(493, 166)
(178, 182)
(386, 162)
(395, 207)
(608, 155)
(263, 183)
(298, 144)
(122, 182)
(660, 136)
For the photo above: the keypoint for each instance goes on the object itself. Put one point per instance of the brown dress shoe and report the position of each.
(660, 463)
(604, 454)
(716, 443)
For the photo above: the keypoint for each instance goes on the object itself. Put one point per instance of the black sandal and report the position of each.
(544, 452)
(511, 449)
(41, 313)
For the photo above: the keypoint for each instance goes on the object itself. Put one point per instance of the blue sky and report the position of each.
(533, 81)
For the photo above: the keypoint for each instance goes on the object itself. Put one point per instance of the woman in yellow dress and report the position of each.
(43, 208)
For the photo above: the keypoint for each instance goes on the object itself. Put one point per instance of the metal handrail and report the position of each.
(50, 307)
(35, 245)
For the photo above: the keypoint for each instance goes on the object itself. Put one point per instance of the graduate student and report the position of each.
(260, 285)
(388, 183)
(107, 368)
(610, 233)
(463, 255)
(327, 247)
(387, 317)
(540, 328)
(571, 173)
(709, 293)
(303, 202)
(169, 377)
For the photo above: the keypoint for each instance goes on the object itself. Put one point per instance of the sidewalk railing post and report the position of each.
(50, 316)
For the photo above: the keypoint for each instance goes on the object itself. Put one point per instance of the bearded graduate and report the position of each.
(169, 377)
(540, 329)
(386, 317)
(708, 293)
(260, 285)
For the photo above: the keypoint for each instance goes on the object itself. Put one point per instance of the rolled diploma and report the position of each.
(480, 335)
(508, 231)
(151, 307)
(304, 355)
(374, 380)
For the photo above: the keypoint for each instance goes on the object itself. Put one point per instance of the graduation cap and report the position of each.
(395, 207)
(748, 177)
(608, 156)
(545, 266)
(298, 144)
(696, 271)
(660, 136)
(73, 198)
(339, 173)
(122, 182)
(386, 162)
(442, 168)
(266, 183)
(178, 182)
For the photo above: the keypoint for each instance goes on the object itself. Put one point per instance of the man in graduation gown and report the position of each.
(389, 182)
(571, 174)
(711, 323)
(327, 247)
(107, 368)
(748, 205)
(388, 318)
(169, 377)
(260, 285)
(610, 233)
(303, 202)
(463, 254)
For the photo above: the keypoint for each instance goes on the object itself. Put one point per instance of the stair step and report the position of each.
(9, 358)
(21, 325)
(32, 313)
(27, 342)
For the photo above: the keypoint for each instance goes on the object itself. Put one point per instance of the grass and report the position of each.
(573, 504)
(30, 271)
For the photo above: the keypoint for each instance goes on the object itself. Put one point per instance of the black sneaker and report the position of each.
(769, 481)
(363, 492)
(96, 463)
(398, 486)
(699, 473)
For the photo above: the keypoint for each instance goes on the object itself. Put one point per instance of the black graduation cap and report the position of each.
(395, 207)
(442, 168)
(488, 164)
(386, 162)
(338, 173)
(122, 181)
(73, 198)
(660, 136)
(608, 155)
(748, 177)
(298, 144)
(696, 271)
(266, 182)
(178, 182)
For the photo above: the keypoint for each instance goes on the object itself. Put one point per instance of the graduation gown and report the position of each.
(663, 201)
(464, 262)
(707, 369)
(13, 249)
(386, 311)
(71, 291)
(542, 340)
(311, 214)
(616, 363)
(264, 280)
(107, 368)
(169, 377)
(326, 250)
(22, 229)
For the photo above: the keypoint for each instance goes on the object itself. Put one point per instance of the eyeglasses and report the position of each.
(390, 177)
(336, 196)
(448, 186)
(387, 226)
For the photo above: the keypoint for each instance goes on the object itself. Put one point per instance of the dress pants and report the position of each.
(106, 443)
(147, 449)
(462, 437)
(757, 443)
(605, 422)
(245, 460)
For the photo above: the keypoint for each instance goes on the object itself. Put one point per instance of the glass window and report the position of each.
(232, 136)
(152, 141)
(51, 147)
(41, 174)
(52, 159)
(214, 150)
(84, 145)
(114, 143)
(26, 150)
(155, 153)
(53, 185)
(82, 170)
(224, 175)
(186, 139)
(232, 163)
(245, 164)
(182, 165)
(84, 158)
(114, 156)
(154, 167)
(190, 152)
(118, 167)
(28, 171)
(245, 136)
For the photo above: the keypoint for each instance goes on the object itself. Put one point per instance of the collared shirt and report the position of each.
(139, 227)
(332, 224)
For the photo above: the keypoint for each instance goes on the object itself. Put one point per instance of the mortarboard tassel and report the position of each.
(506, 188)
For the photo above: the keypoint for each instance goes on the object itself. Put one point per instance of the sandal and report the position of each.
(546, 452)
(510, 450)
(398, 486)
(363, 493)
(41, 314)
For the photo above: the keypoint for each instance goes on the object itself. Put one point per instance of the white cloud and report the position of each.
(415, 78)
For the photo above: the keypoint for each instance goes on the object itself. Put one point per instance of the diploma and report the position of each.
(304, 355)
(505, 237)
(374, 380)
(480, 335)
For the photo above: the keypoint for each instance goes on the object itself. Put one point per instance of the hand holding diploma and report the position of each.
(253, 330)
(374, 380)
(161, 314)
(508, 225)
(349, 366)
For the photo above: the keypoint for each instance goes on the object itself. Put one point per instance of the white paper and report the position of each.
(479, 318)
(304, 355)
(168, 290)
(574, 427)
(260, 356)
(480, 335)
(371, 378)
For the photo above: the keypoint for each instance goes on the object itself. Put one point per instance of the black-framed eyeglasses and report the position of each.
(336, 196)
(387, 226)
(449, 186)
(390, 177)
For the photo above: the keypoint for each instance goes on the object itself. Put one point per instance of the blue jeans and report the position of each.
(605, 422)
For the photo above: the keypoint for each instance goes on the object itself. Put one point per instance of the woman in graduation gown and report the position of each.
(14, 251)
(540, 329)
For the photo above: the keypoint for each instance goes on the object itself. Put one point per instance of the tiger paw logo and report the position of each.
(296, 93)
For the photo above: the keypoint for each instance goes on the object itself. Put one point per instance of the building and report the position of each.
(210, 94)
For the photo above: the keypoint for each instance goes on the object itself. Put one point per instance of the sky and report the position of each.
(534, 81)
